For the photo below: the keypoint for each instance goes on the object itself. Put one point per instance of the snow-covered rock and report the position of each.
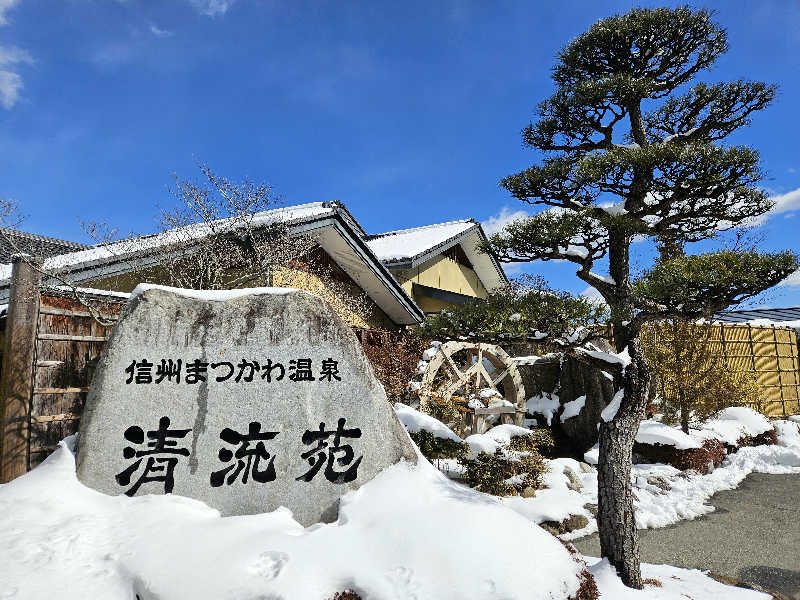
(545, 404)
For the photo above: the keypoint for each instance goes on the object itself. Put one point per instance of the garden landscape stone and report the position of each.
(247, 402)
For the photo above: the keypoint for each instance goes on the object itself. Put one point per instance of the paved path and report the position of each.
(754, 535)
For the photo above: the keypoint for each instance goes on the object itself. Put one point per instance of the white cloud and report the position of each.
(158, 32)
(210, 8)
(593, 295)
(787, 202)
(5, 6)
(10, 86)
(11, 82)
(498, 222)
(11, 55)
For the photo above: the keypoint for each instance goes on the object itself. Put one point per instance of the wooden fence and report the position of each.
(768, 352)
(51, 345)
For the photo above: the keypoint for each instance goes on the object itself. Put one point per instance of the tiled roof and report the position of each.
(13, 242)
(777, 315)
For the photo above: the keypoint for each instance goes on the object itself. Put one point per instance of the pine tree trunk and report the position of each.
(619, 541)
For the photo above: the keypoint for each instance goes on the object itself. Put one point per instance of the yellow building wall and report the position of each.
(443, 273)
(347, 299)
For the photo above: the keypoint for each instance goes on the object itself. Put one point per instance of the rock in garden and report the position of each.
(245, 402)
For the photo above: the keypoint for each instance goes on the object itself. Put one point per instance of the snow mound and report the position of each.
(401, 535)
(414, 421)
(653, 432)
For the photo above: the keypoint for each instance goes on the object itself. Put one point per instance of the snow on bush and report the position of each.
(734, 423)
(496, 438)
(414, 421)
(653, 432)
(401, 535)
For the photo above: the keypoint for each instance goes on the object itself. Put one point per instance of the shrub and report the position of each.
(767, 438)
(588, 588)
(694, 381)
(394, 357)
(446, 411)
(490, 473)
(712, 452)
(539, 439)
(433, 447)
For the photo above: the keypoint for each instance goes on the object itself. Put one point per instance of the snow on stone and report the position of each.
(534, 358)
(414, 421)
(610, 411)
(573, 408)
(653, 432)
(212, 295)
(487, 393)
(61, 539)
(556, 501)
(592, 455)
(544, 404)
(676, 583)
(621, 358)
(422, 366)
(408, 243)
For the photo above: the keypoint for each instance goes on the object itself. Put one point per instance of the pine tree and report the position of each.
(631, 150)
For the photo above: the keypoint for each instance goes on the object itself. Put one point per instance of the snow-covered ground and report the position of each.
(663, 494)
(408, 534)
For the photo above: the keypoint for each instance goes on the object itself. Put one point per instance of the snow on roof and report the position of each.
(407, 244)
(288, 214)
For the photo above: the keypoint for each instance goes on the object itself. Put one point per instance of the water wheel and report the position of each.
(462, 372)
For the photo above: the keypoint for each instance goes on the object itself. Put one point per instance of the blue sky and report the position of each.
(407, 112)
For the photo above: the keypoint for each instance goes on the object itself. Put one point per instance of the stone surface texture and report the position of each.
(159, 324)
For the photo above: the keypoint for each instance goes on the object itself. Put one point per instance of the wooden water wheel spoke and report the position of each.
(498, 378)
(471, 367)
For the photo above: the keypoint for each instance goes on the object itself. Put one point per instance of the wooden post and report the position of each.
(16, 381)
(795, 365)
(778, 366)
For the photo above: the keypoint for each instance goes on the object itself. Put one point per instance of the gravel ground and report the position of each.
(754, 536)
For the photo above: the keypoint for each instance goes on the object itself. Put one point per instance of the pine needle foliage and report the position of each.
(527, 306)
